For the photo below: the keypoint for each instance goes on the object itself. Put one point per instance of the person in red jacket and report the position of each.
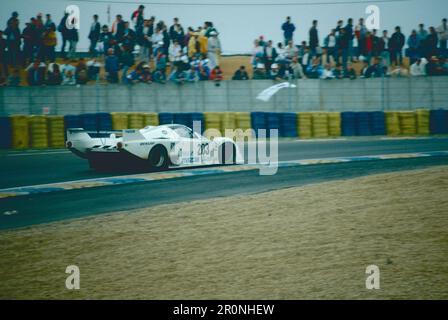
(216, 75)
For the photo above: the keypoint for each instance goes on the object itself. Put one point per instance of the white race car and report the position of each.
(155, 147)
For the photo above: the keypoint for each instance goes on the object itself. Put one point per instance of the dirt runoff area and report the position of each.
(310, 242)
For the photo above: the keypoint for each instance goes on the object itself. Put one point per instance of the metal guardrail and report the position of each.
(310, 95)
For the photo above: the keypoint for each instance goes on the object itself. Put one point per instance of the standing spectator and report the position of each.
(330, 45)
(422, 34)
(176, 32)
(412, 51)
(62, 28)
(241, 74)
(138, 18)
(73, 38)
(94, 35)
(270, 54)
(314, 38)
(368, 46)
(384, 47)
(36, 73)
(13, 39)
(49, 22)
(40, 31)
(396, 44)
(49, 42)
(29, 37)
(111, 66)
(343, 44)
(361, 33)
(209, 28)
(144, 40)
(118, 28)
(431, 43)
(157, 39)
(213, 49)
(257, 52)
(442, 30)
(175, 52)
(288, 30)
(376, 45)
(348, 39)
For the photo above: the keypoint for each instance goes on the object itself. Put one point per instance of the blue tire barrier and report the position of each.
(89, 121)
(196, 116)
(104, 121)
(181, 118)
(5, 133)
(378, 121)
(72, 121)
(348, 123)
(258, 121)
(363, 124)
(438, 121)
(288, 124)
(272, 123)
(166, 118)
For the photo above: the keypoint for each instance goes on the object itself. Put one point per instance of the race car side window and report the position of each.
(184, 132)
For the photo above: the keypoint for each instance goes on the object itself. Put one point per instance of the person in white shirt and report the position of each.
(418, 68)
(175, 51)
(327, 72)
(213, 49)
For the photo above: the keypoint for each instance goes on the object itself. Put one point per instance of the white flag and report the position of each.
(266, 94)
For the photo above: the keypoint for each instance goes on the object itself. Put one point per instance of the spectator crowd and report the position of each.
(143, 50)
(380, 55)
(139, 50)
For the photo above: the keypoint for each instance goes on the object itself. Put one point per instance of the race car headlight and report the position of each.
(69, 144)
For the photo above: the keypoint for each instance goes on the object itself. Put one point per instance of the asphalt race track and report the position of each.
(26, 168)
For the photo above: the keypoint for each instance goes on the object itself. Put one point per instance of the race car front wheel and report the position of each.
(158, 158)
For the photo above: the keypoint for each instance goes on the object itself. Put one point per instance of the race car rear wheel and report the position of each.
(158, 158)
(227, 153)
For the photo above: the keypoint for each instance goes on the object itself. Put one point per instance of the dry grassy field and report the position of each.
(310, 242)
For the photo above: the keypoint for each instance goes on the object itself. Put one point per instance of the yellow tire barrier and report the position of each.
(304, 125)
(228, 121)
(56, 131)
(19, 127)
(136, 120)
(334, 124)
(422, 121)
(150, 119)
(38, 132)
(408, 122)
(320, 124)
(242, 122)
(392, 123)
(212, 120)
(119, 120)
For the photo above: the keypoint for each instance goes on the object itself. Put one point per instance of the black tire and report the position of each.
(227, 153)
(158, 158)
